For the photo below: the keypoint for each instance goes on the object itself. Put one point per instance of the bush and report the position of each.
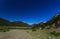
(33, 29)
(4, 30)
(55, 33)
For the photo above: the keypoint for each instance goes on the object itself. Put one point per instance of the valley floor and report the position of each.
(15, 34)
(27, 34)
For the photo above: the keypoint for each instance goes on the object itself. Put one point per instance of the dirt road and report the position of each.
(15, 34)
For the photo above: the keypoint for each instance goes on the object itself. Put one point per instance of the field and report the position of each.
(28, 34)
(42, 34)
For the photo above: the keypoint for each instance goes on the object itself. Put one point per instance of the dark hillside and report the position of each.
(54, 19)
(54, 22)
(4, 22)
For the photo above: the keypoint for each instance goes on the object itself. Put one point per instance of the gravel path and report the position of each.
(15, 34)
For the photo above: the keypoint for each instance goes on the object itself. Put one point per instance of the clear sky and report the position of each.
(30, 11)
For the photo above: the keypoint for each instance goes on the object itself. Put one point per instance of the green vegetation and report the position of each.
(44, 34)
(4, 30)
(54, 33)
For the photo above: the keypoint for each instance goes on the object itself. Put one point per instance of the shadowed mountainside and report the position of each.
(4, 22)
(53, 22)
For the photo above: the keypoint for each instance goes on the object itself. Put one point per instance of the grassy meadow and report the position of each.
(38, 34)
(42, 34)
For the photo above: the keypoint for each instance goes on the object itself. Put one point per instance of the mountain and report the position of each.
(4, 22)
(19, 23)
(54, 21)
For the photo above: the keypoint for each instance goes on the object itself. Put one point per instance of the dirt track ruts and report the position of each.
(15, 34)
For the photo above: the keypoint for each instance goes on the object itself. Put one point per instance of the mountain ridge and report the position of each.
(4, 22)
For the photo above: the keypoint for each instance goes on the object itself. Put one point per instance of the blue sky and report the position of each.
(30, 11)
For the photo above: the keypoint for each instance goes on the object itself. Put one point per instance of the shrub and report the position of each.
(55, 33)
(33, 29)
